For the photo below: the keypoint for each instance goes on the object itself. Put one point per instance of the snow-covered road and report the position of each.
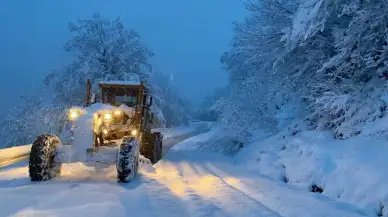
(184, 183)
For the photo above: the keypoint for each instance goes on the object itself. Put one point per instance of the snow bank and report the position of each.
(13, 152)
(172, 132)
(228, 140)
(216, 140)
(194, 142)
(83, 137)
(182, 130)
(352, 171)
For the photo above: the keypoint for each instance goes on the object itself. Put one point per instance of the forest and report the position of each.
(299, 65)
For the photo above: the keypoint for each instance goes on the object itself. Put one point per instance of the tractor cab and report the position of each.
(131, 93)
(133, 115)
(116, 93)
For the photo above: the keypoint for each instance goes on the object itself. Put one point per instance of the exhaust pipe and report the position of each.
(88, 92)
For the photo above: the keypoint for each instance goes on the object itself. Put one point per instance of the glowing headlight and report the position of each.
(73, 114)
(118, 113)
(108, 116)
(134, 132)
(105, 131)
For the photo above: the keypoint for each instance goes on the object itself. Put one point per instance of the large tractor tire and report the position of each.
(159, 143)
(42, 164)
(151, 146)
(127, 163)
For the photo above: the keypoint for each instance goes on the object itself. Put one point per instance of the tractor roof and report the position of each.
(115, 84)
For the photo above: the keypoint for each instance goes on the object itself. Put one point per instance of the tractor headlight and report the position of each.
(134, 132)
(105, 131)
(108, 116)
(73, 114)
(118, 113)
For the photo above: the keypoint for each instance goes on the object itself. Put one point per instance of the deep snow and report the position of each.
(184, 183)
(351, 171)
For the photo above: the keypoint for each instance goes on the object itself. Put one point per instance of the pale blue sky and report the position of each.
(187, 36)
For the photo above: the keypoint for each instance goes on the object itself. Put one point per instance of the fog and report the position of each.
(187, 38)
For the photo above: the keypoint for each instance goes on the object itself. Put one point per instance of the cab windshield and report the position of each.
(130, 101)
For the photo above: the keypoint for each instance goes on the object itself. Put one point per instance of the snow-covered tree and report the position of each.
(105, 50)
(204, 112)
(255, 83)
(28, 120)
(173, 110)
(327, 56)
(350, 80)
(102, 50)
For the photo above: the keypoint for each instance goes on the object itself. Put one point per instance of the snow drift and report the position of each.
(352, 171)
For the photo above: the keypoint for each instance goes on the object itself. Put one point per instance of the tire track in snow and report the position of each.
(208, 194)
(81, 198)
(151, 198)
(287, 201)
(234, 200)
(144, 196)
(194, 205)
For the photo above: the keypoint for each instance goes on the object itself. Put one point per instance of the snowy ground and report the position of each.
(185, 183)
(352, 171)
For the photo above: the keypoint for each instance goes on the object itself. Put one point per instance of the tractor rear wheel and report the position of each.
(42, 164)
(151, 146)
(159, 143)
(127, 163)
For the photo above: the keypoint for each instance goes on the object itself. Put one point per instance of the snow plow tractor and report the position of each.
(114, 131)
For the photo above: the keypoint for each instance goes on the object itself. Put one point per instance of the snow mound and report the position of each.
(196, 141)
(352, 171)
(145, 164)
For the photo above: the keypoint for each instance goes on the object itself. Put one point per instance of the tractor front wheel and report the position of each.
(42, 164)
(128, 159)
